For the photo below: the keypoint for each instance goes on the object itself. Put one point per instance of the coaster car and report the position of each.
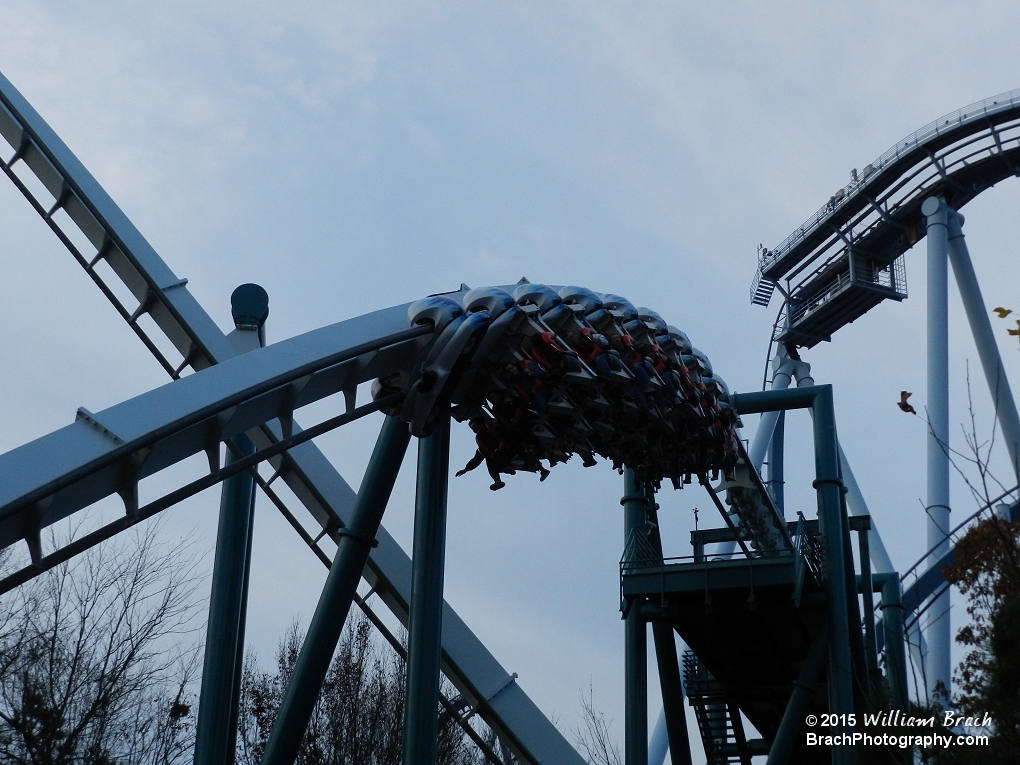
(542, 374)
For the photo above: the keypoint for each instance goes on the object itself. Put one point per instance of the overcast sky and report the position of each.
(350, 156)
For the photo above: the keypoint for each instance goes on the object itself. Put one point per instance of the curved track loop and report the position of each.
(180, 334)
(878, 214)
(958, 155)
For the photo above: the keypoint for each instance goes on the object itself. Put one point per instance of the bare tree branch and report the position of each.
(92, 668)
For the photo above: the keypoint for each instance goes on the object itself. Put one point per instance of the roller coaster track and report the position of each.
(849, 256)
(515, 366)
(857, 237)
(110, 452)
(924, 581)
(221, 389)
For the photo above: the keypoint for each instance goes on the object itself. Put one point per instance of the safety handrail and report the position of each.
(629, 565)
(968, 114)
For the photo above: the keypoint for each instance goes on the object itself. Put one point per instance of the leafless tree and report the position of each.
(593, 737)
(91, 669)
(358, 717)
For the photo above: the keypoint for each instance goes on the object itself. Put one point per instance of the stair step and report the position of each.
(761, 290)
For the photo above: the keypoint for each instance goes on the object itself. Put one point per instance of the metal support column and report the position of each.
(668, 664)
(327, 624)
(855, 502)
(783, 368)
(938, 633)
(895, 653)
(635, 637)
(829, 490)
(793, 718)
(672, 694)
(870, 641)
(215, 736)
(425, 622)
(216, 729)
(235, 696)
(776, 468)
(984, 339)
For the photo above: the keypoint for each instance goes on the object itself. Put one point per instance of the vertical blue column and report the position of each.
(776, 478)
(235, 697)
(635, 639)
(673, 720)
(425, 621)
(939, 633)
(895, 653)
(829, 491)
(216, 733)
(867, 590)
(782, 376)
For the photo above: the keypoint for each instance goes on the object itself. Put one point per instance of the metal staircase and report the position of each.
(722, 732)
(761, 289)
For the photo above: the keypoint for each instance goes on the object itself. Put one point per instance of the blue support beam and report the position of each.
(938, 662)
(425, 623)
(793, 718)
(235, 698)
(216, 733)
(668, 664)
(894, 641)
(829, 490)
(672, 693)
(635, 503)
(776, 478)
(324, 632)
